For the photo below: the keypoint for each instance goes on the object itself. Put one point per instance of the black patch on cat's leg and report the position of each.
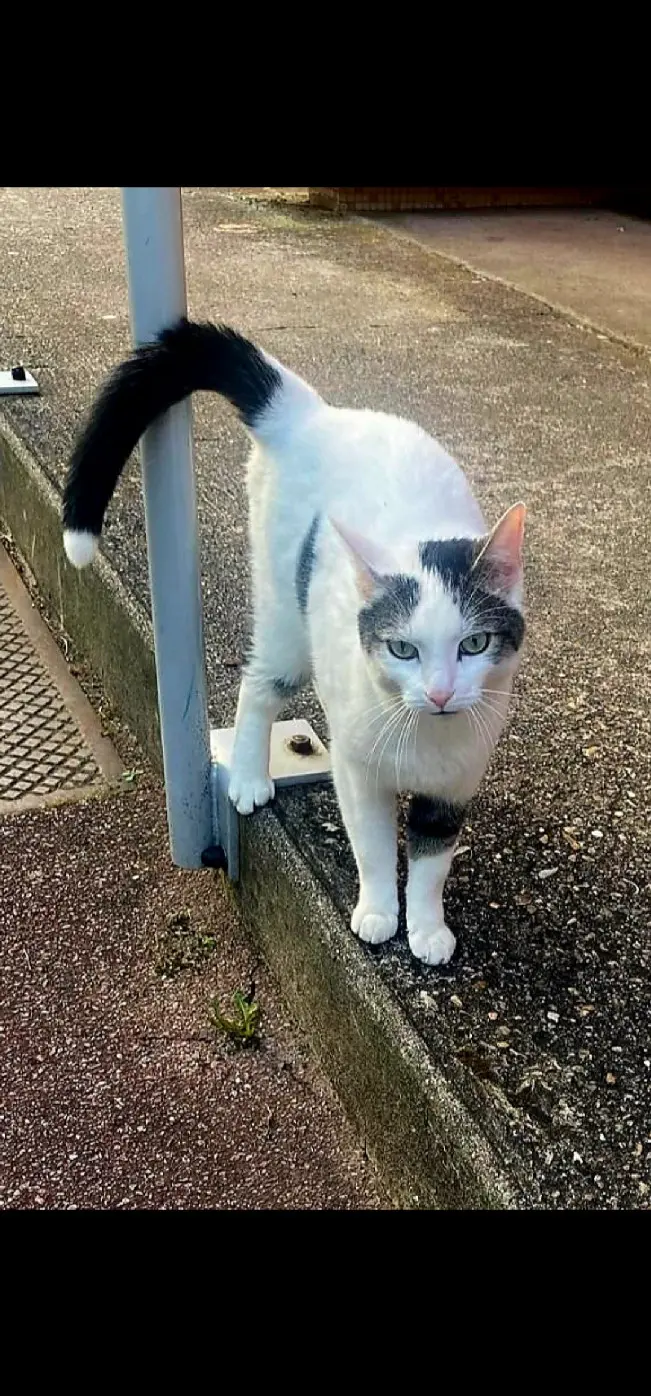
(432, 825)
(288, 688)
(384, 615)
(305, 563)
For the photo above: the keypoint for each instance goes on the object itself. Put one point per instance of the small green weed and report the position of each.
(130, 777)
(244, 1027)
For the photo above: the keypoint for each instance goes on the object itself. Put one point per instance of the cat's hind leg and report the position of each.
(278, 667)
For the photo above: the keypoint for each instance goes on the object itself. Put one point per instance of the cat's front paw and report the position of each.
(247, 792)
(434, 945)
(373, 926)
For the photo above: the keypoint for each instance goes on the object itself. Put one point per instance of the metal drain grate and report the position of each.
(45, 748)
(41, 748)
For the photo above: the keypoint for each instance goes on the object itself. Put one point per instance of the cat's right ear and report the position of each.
(371, 562)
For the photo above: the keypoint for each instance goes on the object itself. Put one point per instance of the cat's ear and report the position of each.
(371, 561)
(503, 549)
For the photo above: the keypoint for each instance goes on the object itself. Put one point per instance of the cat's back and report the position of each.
(385, 471)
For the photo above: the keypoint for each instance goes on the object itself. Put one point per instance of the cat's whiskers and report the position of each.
(474, 723)
(377, 710)
(398, 746)
(392, 726)
(483, 729)
(496, 711)
(489, 737)
(412, 732)
(372, 716)
(403, 743)
(388, 727)
(367, 721)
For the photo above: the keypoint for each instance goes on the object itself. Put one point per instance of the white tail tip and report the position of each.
(80, 546)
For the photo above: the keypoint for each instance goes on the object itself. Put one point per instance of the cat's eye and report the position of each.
(475, 644)
(401, 649)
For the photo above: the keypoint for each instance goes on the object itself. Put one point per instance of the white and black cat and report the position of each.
(374, 574)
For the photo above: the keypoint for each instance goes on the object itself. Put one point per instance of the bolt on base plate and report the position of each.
(297, 757)
(17, 380)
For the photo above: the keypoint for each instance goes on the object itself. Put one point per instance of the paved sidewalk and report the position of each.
(593, 262)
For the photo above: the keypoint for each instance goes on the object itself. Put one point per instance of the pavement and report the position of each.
(594, 263)
(541, 1024)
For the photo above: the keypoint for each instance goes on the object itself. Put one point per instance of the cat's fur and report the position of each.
(363, 531)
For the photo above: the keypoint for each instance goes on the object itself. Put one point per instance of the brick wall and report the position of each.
(393, 200)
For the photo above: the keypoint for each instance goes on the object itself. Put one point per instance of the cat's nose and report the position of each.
(440, 696)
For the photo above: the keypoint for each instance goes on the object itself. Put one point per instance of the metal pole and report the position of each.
(153, 232)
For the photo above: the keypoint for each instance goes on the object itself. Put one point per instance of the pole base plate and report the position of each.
(297, 757)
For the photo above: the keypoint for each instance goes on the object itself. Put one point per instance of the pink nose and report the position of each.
(440, 696)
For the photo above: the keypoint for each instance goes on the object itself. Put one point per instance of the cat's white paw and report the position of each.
(373, 926)
(247, 792)
(434, 945)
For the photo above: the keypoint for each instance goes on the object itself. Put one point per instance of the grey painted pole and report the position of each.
(153, 233)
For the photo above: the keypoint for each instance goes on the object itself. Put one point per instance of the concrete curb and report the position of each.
(424, 1142)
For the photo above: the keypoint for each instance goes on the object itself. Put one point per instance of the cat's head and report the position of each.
(439, 631)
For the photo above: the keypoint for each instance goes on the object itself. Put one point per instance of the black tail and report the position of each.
(182, 360)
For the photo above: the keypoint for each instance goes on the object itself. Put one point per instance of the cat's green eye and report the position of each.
(401, 649)
(475, 644)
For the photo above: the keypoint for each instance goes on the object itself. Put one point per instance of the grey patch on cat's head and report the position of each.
(472, 587)
(379, 620)
(305, 563)
(452, 558)
(432, 825)
(506, 623)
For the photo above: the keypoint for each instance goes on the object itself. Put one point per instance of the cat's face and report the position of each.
(447, 634)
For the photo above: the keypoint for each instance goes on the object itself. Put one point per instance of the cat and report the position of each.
(373, 573)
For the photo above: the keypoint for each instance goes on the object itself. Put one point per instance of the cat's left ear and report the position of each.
(371, 561)
(503, 550)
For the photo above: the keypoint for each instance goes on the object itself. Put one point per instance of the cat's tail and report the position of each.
(182, 360)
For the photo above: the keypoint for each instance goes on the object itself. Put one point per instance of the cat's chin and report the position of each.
(434, 712)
